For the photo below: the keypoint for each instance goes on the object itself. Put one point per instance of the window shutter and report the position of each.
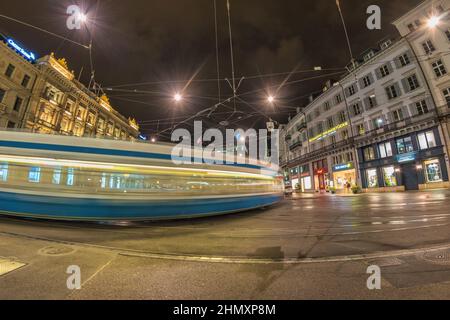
(366, 103)
(405, 85)
(389, 65)
(378, 73)
(413, 109)
(397, 88)
(361, 82)
(405, 112)
(397, 62)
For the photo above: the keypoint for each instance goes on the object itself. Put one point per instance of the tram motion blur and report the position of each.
(68, 178)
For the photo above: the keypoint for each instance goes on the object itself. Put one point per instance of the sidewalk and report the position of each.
(317, 195)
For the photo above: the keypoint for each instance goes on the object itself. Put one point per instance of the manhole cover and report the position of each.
(56, 251)
(6, 266)
(437, 257)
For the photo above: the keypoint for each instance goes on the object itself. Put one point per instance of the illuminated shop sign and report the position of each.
(26, 54)
(408, 157)
(343, 167)
(329, 132)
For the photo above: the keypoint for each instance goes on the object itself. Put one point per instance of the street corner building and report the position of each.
(42, 95)
(384, 126)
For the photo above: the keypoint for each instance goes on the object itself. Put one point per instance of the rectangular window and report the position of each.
(384, 71)
(390, 180)
(385, 149)
(447, 33)
(428, 47)
(338, 99)
(34, 175)
(366, 81)
(356, 109)
(439, 68)
(377, 123)
(426, 140)
(405, 145)
(11, 125)
(70, 176)
(342, 117)
(433, 171)
(25, 81)
(372, 178)
(3, 172)
(404, 60)
(372, 101)
(10, 70)
(327, 106)
(446, 93)
(397, 115)
(330, 123)
(351, 90)
(369, 154)
(413, 83)
(422, 107)
(2, 94)
(17, 104)
(360, 129)
(56, 179)
(391, 92)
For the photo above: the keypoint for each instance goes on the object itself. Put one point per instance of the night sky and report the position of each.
(155, 46)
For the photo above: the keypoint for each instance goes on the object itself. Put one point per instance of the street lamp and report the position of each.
(83, 17)
(433, 22)
(270, 99)
(178, 97)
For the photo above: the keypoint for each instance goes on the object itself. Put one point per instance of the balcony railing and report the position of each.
(322, 151)
(397, 125)
(302, 126)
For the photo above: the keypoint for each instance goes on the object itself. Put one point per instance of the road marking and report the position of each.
(7, 266)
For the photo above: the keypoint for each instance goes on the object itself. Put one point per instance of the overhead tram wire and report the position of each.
(44, 30)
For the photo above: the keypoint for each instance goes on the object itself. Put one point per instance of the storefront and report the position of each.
(294, 176)
(412, 162)
(321, 179)
(344, 175)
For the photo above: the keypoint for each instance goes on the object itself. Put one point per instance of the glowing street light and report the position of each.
(178, 97)
(270, 99)
(153, 140)
(83, 17)
(433, 22)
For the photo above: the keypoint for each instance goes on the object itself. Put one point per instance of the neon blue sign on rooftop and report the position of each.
(30, 56)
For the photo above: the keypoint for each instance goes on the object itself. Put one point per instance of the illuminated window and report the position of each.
(70, 177)
(385, 149)
(372, 178)
(405, 145)
(433, 171)
(426, 140)
(34, 175)
(390, 180)
(360, 129)
(3, 172)
(369, 154)
(56, 179)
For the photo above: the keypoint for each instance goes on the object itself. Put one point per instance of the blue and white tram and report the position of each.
(68, 178)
